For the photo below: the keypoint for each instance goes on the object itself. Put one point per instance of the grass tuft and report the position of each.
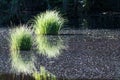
(21, 38)
(49, 22)
(44, 75)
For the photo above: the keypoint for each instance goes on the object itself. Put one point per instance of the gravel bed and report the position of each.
(89, 54)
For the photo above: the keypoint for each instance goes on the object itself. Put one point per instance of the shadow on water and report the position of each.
(35, 77)
(15, 77)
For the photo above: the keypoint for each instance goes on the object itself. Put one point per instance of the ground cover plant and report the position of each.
(49, 22)
(21, 38)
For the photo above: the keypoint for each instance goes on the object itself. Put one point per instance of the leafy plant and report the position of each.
(49, 22)
(21, 38)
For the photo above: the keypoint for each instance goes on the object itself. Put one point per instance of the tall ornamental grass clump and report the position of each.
(21, 38)
(49, 22)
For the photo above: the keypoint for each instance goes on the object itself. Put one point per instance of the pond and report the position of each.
(74, 54)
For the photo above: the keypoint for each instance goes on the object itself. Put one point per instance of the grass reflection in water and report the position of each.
(23, 62)
(22, 65)
(51, 46)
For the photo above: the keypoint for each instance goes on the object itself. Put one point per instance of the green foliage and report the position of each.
(49, 22)
(21, 38)
(44, 75)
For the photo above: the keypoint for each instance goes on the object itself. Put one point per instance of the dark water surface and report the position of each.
(76, 54)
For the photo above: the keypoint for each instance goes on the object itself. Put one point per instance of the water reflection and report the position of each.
(51, 46)
(22, 62)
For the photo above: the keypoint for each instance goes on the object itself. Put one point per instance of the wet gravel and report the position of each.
(87, 57)
(91, 54)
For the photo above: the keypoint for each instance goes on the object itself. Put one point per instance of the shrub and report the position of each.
(21, 38)
(49, 22)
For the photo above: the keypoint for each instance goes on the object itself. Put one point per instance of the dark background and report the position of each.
(80, 13)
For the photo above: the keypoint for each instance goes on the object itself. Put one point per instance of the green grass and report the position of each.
(21, 38)
(44, 75)
(49, 22)
(49, 46)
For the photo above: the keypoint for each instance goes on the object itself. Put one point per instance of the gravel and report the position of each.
(89, 54)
